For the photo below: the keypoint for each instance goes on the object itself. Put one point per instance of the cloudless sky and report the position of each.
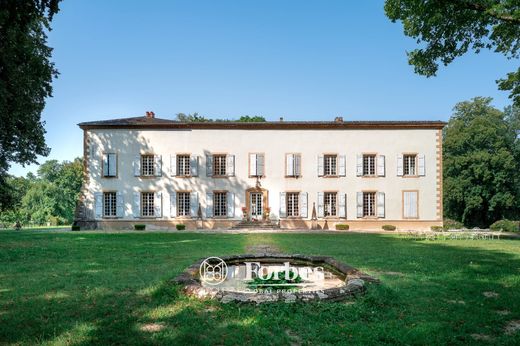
(301, 60)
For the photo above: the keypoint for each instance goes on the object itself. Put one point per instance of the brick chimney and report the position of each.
(150, 114)
(338, 119)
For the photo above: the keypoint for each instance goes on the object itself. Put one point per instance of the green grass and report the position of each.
(96, 288)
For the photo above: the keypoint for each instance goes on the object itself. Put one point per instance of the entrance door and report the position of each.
(256, 205)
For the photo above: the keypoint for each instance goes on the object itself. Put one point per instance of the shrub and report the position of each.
(437, 228)
(342, 227)
(75, 228)
(139, 227)
(452, 224)
(505, 225)
(388, 227)
(180, 227)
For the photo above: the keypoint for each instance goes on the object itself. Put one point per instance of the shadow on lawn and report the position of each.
(436, 298)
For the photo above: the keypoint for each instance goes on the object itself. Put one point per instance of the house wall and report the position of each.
(310, 143)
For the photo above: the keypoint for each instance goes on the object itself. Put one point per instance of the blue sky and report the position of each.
(301, 60)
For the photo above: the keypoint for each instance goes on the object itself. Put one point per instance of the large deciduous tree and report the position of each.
(481, 165)
(26, 74)
(450, 28)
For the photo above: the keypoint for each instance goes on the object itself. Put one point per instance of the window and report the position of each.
(330, 165)
(219, 165)
(410, 199)
(109, 204)
(183, 204)
(409, 164)
(293, 165)
(110, 165)
(369, 204)
(183, 165)
(147, 204)
(256, 165)
(147, 165)
(220, 204)
(369, 165)
(292, 204)
(330, 199)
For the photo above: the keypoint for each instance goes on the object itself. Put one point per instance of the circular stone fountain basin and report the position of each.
(319, 278)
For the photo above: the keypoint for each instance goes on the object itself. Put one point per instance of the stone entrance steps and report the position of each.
(256, 225)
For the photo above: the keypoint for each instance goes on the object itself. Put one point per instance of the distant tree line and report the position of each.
(195, 117)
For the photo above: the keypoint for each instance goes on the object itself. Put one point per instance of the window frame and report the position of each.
(148, 155)
(374, 208)
(152, 193)
(294, 176)
(224, 193)
(374, 155)
(177, 162)
(416, 206)
(178, 203)
(108, 160)
(416, 168)
(249, 165)
(298, 204)
(213, 163)
(103, 215)
(336, 157)
(336, 206)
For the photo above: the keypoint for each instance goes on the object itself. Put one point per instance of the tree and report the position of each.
(451, 28)
(26, 74)
(481, 165)
(190, 118)
(251, 119)
(195, 117)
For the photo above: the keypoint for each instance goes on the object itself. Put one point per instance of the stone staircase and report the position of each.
(254, 225)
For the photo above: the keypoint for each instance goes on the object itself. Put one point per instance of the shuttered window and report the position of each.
(369, 165)
(183, 204)
(219, 165)
(330, 203)
(183, 165)
(293, 204)
(369, 204)
(410, 204)
(109, 165)
(109, 204)
(330, 165)
(147, 165)
(147, 204)
(409, 164)
(220, 203)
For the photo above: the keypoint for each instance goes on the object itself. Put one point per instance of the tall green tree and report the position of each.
(450, 28)
(481, 165)
(195, 117)
(26, 74)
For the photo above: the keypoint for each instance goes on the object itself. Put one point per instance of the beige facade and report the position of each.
(364, 174)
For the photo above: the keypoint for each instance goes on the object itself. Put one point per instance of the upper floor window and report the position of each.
(256, 165)
(220, 165)
(147, 165)
(293, 165)
(183, 165)
(109, 165)
(330, 165)
(369, 165)
(109, 204)
(409, 164)
(220, 204)
(147, 204)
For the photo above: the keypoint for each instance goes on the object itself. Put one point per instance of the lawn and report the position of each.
(95, 288)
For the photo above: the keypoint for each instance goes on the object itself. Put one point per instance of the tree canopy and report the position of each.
(26, 74)
(195, 117)
(449, 29)
(481, 165)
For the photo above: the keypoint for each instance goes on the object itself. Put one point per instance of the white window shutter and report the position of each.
(380, 204)
(283, 205)
(359, 165)
(342, 166)
(304, 205)
(400, 165)
(230, 165)
(173, 165)
(410, 204)
(321, 203)
(194, 165)
(230, 204)
(413, 210)
(421, 164)
(359, 204)
(209, 204)
(120, 212)
(321, 163)
(260, 165)
(297, 165)
(289, 165)
(157, 200)
(252, 165)
(158, 165)
(112, 165)
(342, 205)
(209, 165)
(105, 165)
(137, 205)
(137, 165)
(194, 203)
(173, 204)
(98, 204)
(381, 166)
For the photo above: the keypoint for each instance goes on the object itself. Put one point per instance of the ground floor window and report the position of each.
(109, 204)
(147, 204)
(369, 204)
(330, 199)
(292, 204)
(410, 199)
(183, 203)
(220, 204)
